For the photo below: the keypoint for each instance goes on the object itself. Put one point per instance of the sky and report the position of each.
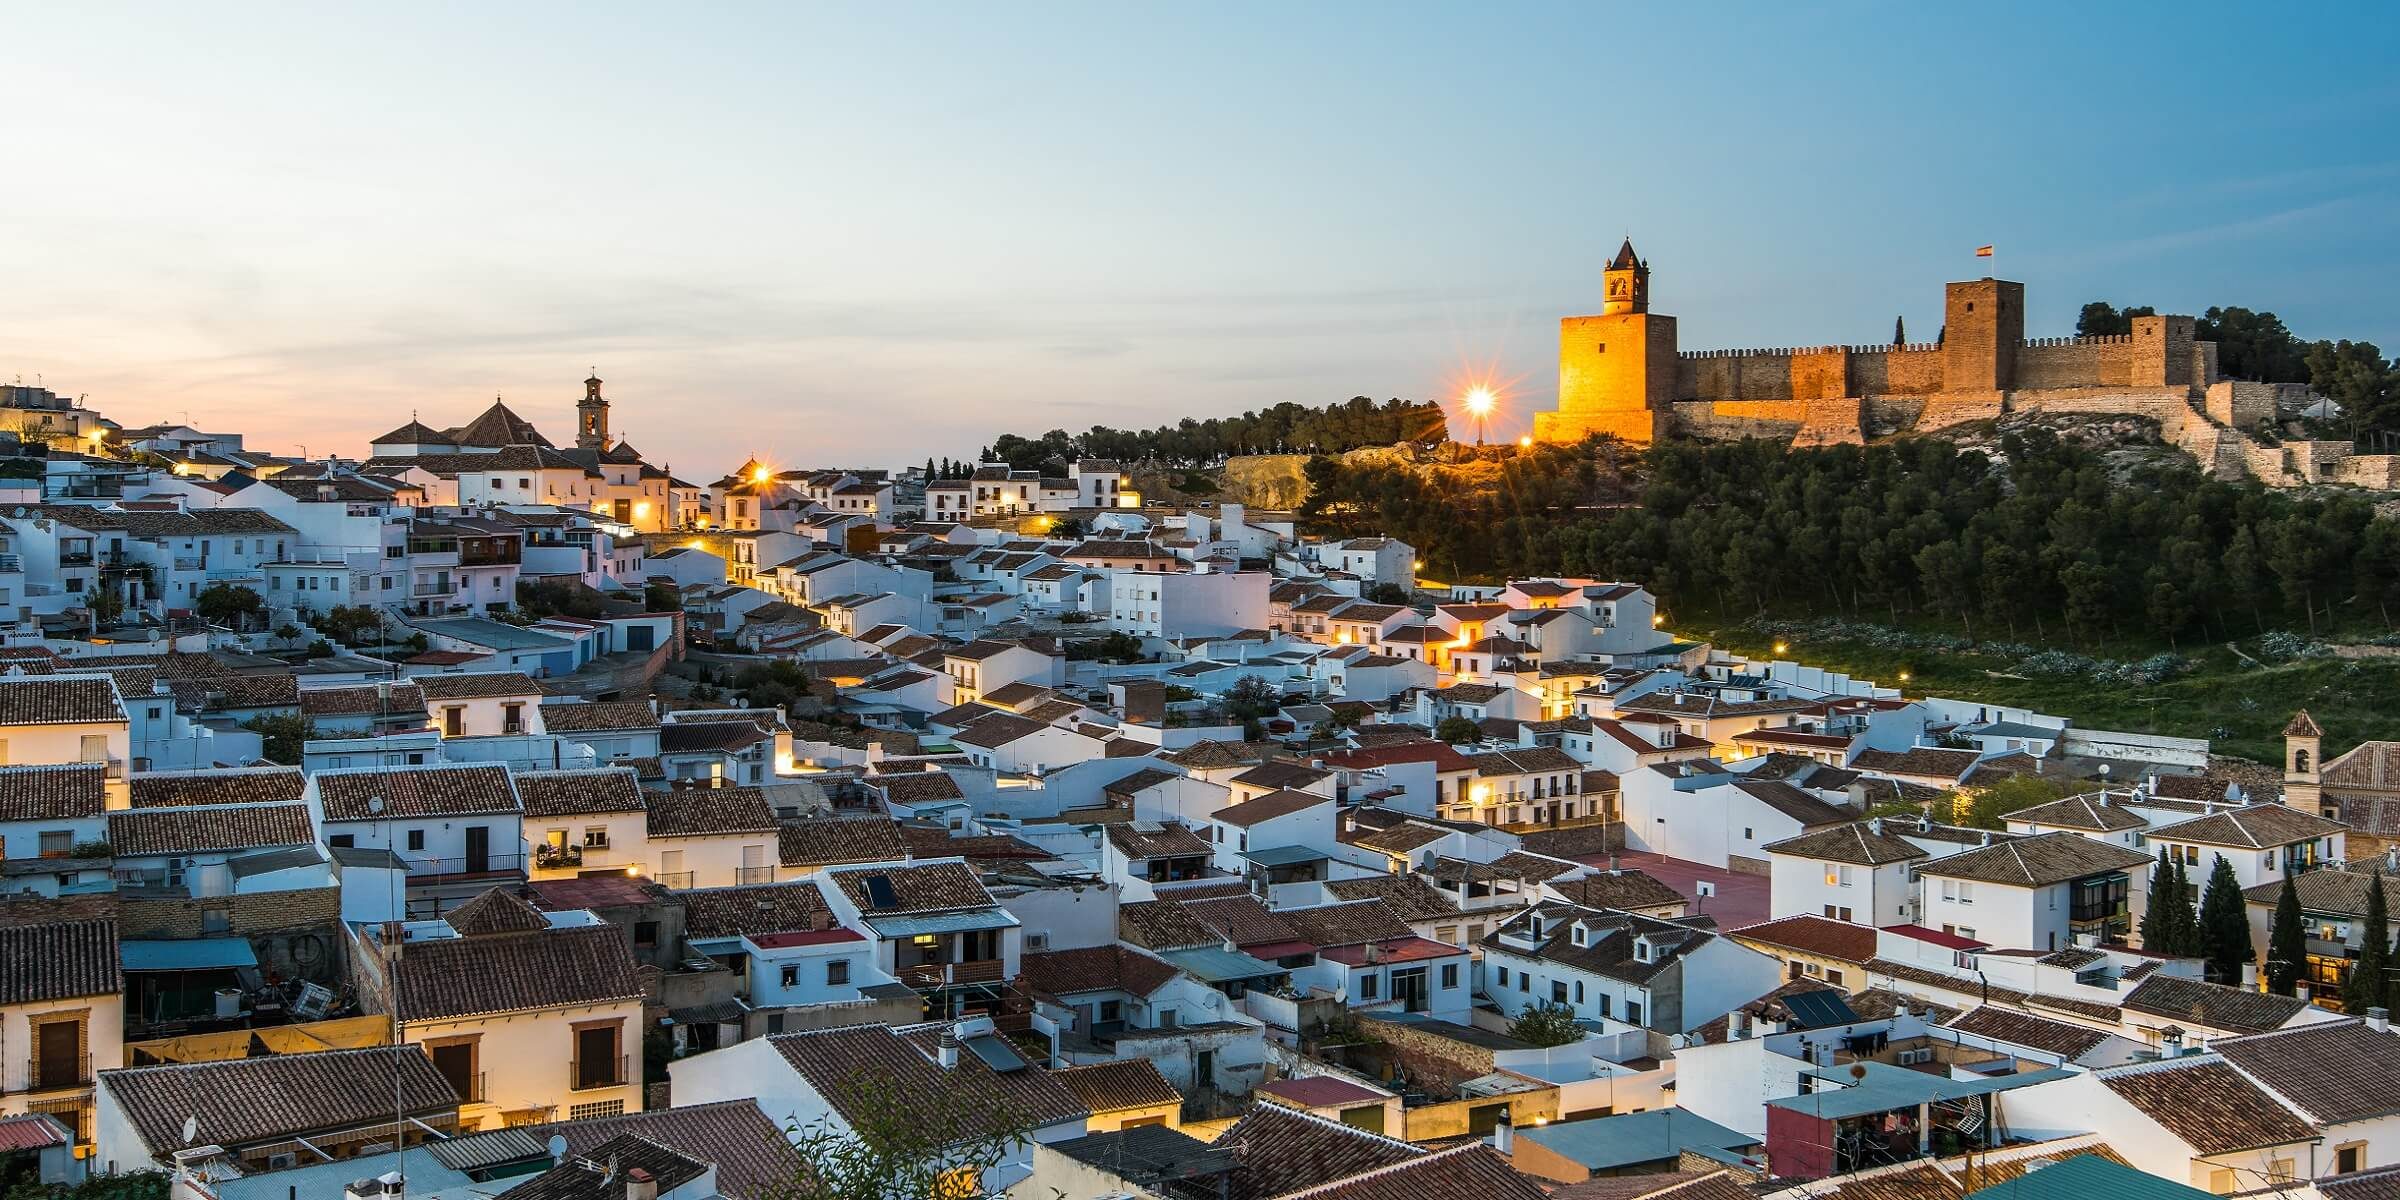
(868, 234)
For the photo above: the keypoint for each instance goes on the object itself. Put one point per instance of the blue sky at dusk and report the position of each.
(863, 234)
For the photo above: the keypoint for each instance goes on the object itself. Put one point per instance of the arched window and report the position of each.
(2300, 762)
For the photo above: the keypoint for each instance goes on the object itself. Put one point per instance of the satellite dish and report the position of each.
(375, 804)
(558, 1146)
(191, 1130)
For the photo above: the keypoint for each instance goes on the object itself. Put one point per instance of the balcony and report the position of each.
(431, 591)
(924, 976)
(750, 875)
(677, 880)
(553, 857)
(56, 1072)
(426, 869)
(583, 1075)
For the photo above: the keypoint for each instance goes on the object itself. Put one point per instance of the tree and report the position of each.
(885, 1144)
(558, 598)
(660, 597)
(2369, 985)
(1384, 593)
(2225, 924)
(2155, 937)
(1899, 331)
(778, 684)
(282, 736)
(225, 604)
(1988, 805)
(2287, 941)
(1252, 698)
(1546, 1024)
(1455, 730)
(2102, 319)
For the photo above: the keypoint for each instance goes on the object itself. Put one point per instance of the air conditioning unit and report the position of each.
(1910, 1058)
(284, 1161)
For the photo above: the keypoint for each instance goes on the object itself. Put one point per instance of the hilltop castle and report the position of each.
(1621, 373)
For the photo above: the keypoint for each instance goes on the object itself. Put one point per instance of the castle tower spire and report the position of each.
(1627, 281)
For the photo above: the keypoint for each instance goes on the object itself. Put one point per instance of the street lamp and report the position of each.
(1479, 406)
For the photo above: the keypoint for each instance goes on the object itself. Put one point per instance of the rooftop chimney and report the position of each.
(2302, 990)
(639, 1185)
(947, 1055)
(2379, 1020)
(2249, 977)
(1875, 826)
(2170, 1042)
(1504, 1135)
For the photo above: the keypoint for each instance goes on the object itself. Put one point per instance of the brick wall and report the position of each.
(1436, 1064)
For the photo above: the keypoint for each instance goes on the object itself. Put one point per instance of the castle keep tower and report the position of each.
(1616, 371)
(591, 417)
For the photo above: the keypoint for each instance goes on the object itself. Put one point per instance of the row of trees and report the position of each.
(2218, 932)
(2042, 540)
(2257, 345)
(1286, 428)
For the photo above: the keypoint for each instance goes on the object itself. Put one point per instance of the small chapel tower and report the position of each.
(591, 417)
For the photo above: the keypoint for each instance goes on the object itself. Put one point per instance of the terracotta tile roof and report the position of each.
(431, 791)
(245, 1101)
(1348, 924)
(580, 793)
(146, 831)
(1410, 895)
(1213, 755)
(864, 1071)
(495, 910)
(1165, 840)
(2208, 1105)
(2335, 1071)
(1812, 935)
(1609, 948)
(706, 812)
(253, 785)
(1278, 776)
(605, 1172)
(1164, 925)
(61, 960)
(1800, 806)
(1283, 1150)
(511, 972)
(1920, 760)
(2037, 861)
(1628, 888)
(835, 841)
(1139, 781)
(218, 693)
(919, 787)
(59, 700)
(754, 1158)
(2332, 890)
(998, 730)
(53, 793)
(1243, 920)
(478, 685)
(917, 888)
(1859, 842)
(925, 842)
(1267, 808)
(764, 908)
(2257, 827)
(1127, 1083)
(1402, 839)
(595, 717)
(2069, 1042)
(1473, 1169)
(699, 737)
(1096, 969)
(2233, 1009)
(2091, 812)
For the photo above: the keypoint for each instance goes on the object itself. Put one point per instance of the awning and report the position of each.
(1284, 856)
(949, 922)
(195, 954)
(1215, 964)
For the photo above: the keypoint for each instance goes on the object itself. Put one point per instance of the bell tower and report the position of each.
(591, 416)
(2303, 760)
(1625, 283)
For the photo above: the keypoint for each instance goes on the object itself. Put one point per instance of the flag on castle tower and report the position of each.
(1983, 251)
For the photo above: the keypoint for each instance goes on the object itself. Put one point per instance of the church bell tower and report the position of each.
(1625, 283)
(591, 417)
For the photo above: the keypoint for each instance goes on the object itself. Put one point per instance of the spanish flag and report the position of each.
(1983, 251)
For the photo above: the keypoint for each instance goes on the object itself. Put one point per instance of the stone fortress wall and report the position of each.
(1614, 378)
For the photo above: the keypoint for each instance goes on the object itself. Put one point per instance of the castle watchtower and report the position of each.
(1616, 371)
(1983, 325)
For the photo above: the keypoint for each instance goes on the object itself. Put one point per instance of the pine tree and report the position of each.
(929, 475)
(2368, 987)
(2287, 942)
(2155, 937)
(2225, 924)
(2178, 926)
(1899, 331)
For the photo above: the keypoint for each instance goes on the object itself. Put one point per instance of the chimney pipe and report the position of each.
(2379, 1020)
(639, 1185)
(2302, 990)
(1504, 1135)
(2249, 977)
(947, 1054)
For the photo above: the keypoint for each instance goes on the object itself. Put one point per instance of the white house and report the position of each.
(1716, 818)
(2264, 842)
(2035, 893)
(63, 1021)
(1852, 872)
(1619, 969)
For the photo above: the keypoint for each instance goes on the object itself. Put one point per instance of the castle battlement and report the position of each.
(2103, 339)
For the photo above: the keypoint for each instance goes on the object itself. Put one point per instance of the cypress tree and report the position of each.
(2154, 914)
(2368, 987)
(2225, 925)
(2183, 925)
(1899, 331)
(2287, 942)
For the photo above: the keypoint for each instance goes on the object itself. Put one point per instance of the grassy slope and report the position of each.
(2241, 707)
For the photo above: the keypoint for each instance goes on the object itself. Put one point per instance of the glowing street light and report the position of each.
(1780, 647)
(1479, 404)
(1525, 442)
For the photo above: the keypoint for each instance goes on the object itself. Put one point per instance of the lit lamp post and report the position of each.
(1479, 406)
